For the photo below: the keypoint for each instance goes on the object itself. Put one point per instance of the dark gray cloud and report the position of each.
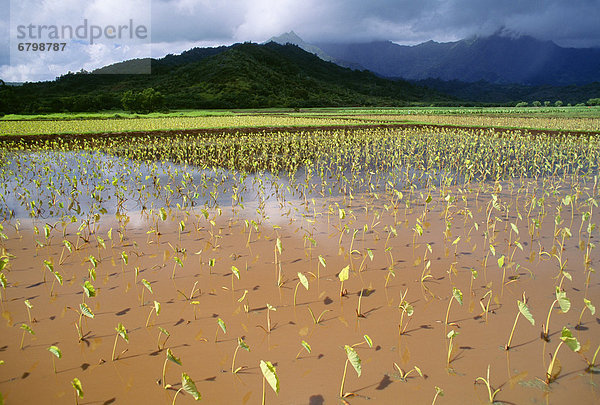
(178, 25)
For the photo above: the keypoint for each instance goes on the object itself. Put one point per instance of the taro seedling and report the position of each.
(84, 309)
(29, 306)
(343, 276)
(187, 385)
(451, 336)
(404, 375)
(486, 381)
(305, 346)
(317, 320)
(148, 287)
(220, 325)
(162, 331)
(523, 310)
(76, 384)
(56, 352)
(26, 328)
(456, 295)
(170, 357)
(234, 272)
(565, 305)
(354, 359)
(240, 345)
(269, 373)
(178, 262)
(589, 306)
(438, 393)
(573, 344)
(408, 310)
(122, 332)
(301, 280)
(156, 310)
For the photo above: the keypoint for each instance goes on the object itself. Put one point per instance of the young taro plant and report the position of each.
(121, 331)
(456, 295)
(404, 375)
(343, 276)
(572, 343)
(451, 336)
(486, 381)
(220, 325)
(523, 310)
(269, 373)
(305, 346)
(241, 345)
(56, 352)
(354, 359)
(76, 384)
(565, 305)
(27, 329)
(156, 310)
(301, 280)
(162, 331)
(187, 385)
(408, 310)
(590, 307)
(170, 357)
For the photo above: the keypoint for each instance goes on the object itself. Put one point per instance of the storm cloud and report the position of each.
(177, 25)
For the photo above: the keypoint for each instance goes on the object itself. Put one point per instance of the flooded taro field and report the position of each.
(326, 266)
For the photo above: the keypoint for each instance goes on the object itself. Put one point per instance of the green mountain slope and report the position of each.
(241, 76)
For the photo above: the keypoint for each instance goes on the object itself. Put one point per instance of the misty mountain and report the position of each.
(293, 39)
(496, 59)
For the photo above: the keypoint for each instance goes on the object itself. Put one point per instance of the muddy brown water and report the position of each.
(314, 378)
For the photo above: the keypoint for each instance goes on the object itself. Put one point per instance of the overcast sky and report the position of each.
(177, 25)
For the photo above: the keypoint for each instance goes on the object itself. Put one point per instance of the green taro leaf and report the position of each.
(3, 281)
(58, 277)
(354, 359)
(270, 374)
(26, 328)
(122, 332)
(589, 305)
(55, 351)
(222, 325)
(524, 310)
(89, 289)
(368, 340)
(93, 261)
(322, 261)
(3, 263)
(188, 386)
(306, 346)
(85, 310)
(344, 274)
(178, 261)
(164, 331)
(572, 342)
(172, 357)
(303, 280)
(243, 344)
(49, 265)
(279, 245)
(163, 213)
(501, 261)
(157, 307)
(147, 285)
(28, 304)
(124, 257)
(457, 294)
(78, 388)
(235, 272)
(563, 301)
